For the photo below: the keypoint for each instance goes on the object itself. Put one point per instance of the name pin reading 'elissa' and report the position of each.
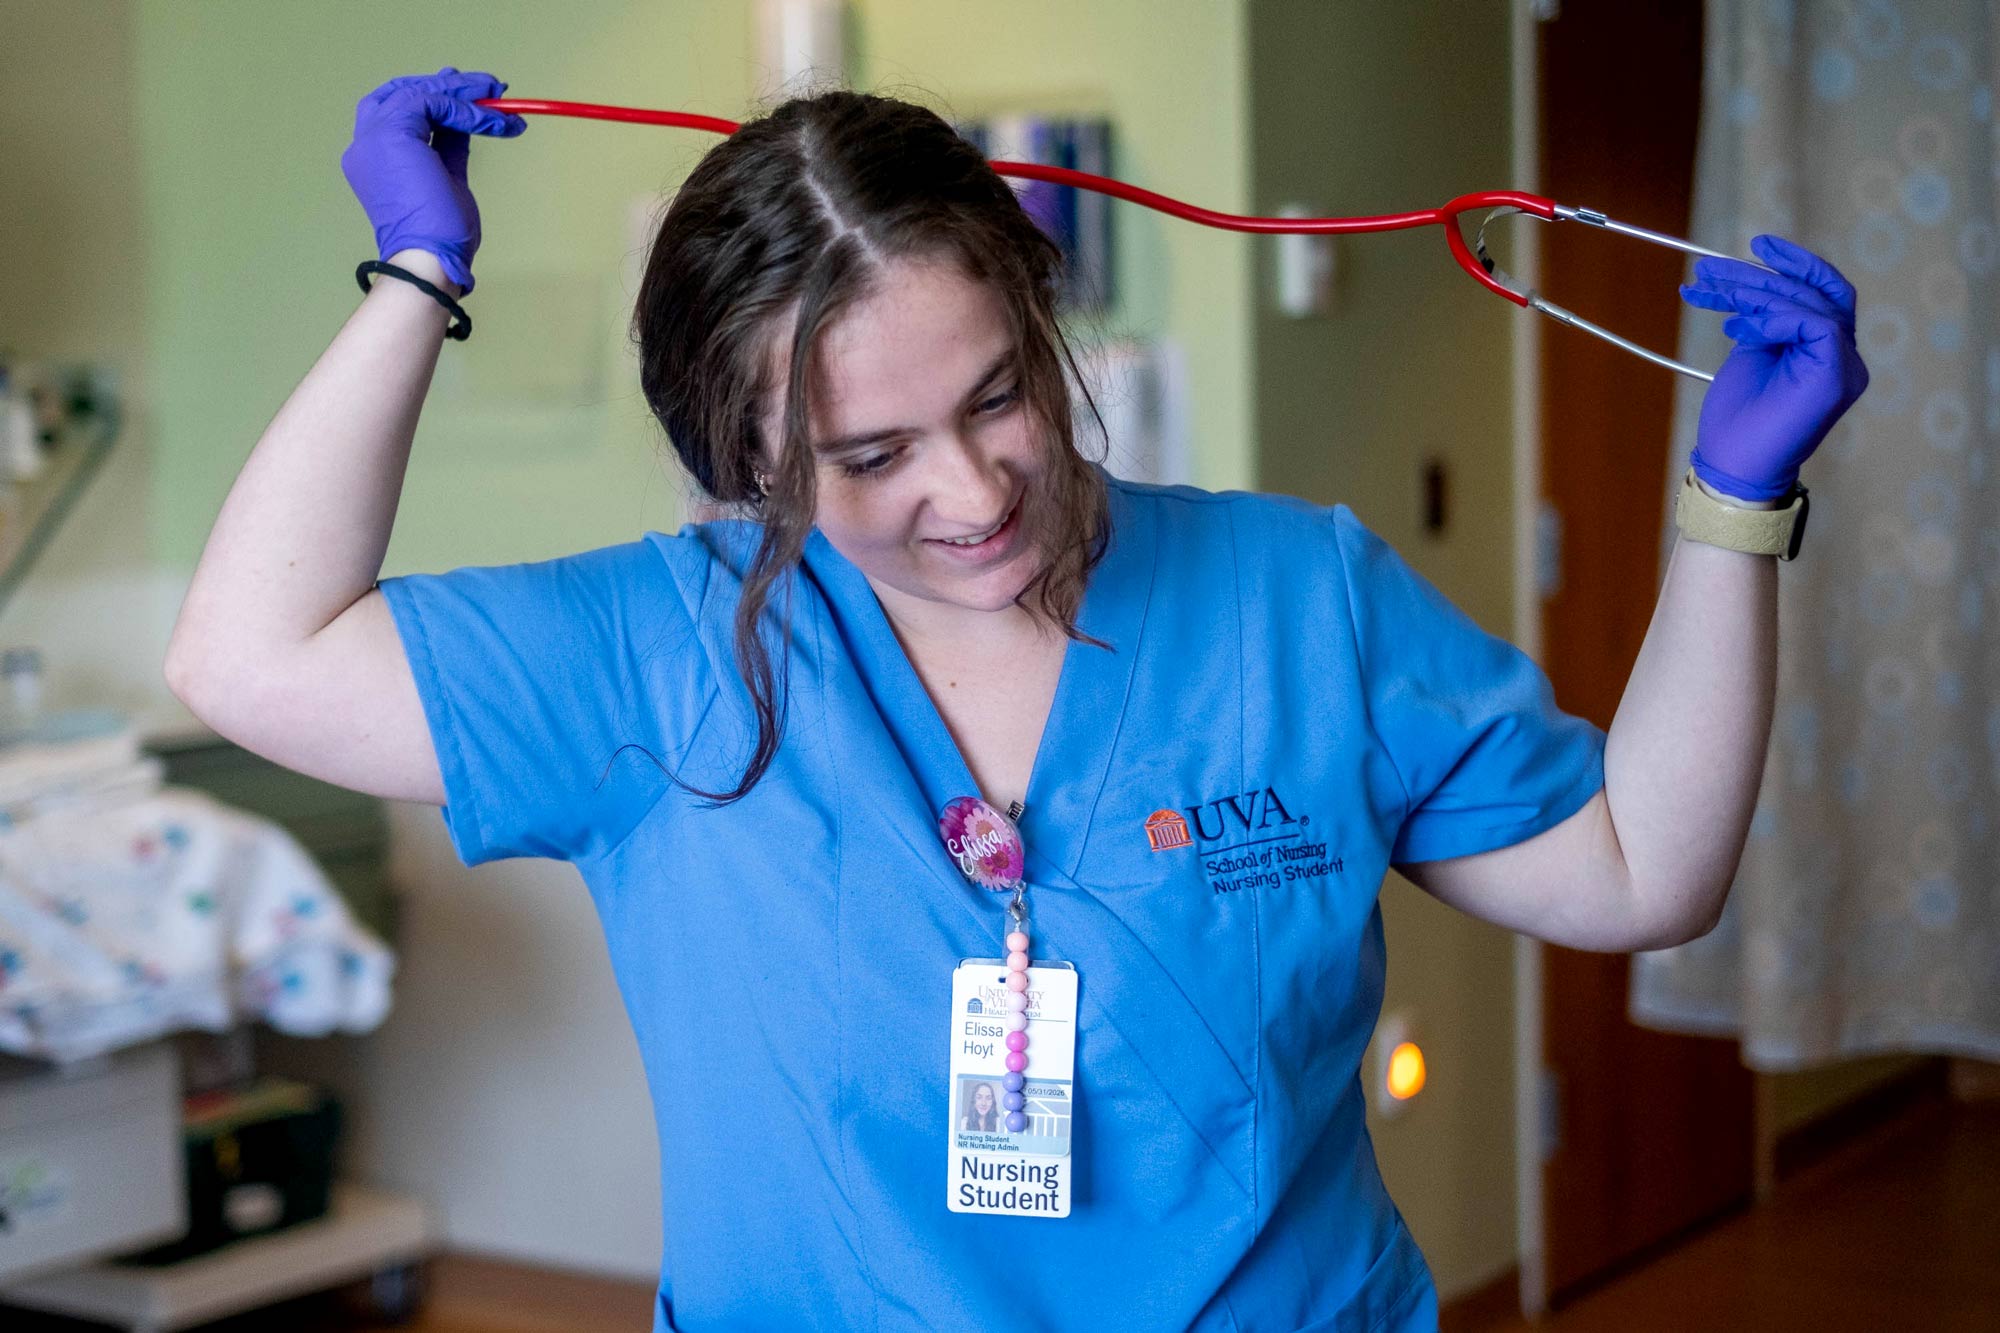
(1007, 1145)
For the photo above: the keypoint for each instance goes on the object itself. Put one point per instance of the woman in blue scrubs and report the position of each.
(1219, 718)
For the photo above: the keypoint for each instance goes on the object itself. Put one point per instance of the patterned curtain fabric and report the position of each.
(1866, 914)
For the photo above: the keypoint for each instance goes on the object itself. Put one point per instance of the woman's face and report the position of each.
(982, 1100)
(924, 450)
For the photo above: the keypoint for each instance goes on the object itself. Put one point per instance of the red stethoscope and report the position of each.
(1472, 258)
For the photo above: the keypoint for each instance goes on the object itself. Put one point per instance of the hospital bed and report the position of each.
(91, 1152)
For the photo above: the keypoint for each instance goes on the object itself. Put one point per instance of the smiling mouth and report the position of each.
(981, 537)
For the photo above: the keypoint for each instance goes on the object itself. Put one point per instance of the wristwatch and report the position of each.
(1703, 518)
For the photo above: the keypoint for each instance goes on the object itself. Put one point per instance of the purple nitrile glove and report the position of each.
(407, 163)
(1792, 373)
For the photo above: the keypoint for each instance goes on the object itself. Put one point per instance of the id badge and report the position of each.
(987, 1168)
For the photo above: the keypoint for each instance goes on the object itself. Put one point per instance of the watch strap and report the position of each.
(1703, 518)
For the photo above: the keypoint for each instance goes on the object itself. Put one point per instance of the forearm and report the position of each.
(1685, 753)
(303, 530)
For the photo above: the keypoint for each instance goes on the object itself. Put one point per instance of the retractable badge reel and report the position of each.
(1007, 1147)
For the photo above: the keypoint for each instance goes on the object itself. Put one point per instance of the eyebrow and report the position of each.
(867, 438)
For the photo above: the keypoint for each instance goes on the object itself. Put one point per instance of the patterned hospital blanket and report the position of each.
(127, 918)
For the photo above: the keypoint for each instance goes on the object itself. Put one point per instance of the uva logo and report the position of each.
(1251, 815)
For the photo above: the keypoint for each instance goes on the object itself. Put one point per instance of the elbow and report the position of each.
(175, 676)
(1673, 933)
(189, 665)
(190, 682)
(177, 664)
(178, 676)
(1686, 921)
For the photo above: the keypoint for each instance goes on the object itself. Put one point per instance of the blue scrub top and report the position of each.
(1279, 681)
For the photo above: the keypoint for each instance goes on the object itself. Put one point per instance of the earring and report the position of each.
(763, 480)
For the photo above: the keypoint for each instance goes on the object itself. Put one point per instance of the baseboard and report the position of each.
(499, 1294)
(1975, 1081)
(1493, 1303)
(1805, 1146)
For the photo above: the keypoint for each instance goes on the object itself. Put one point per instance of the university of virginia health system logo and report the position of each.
(1245, 841)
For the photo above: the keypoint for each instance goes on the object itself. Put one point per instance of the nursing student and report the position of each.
(1217, 720)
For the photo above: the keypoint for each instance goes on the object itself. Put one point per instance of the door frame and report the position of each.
(1525, 169)
(1676, 1148)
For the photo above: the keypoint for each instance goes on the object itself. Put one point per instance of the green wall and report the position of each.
(74, 289)
(535, 440)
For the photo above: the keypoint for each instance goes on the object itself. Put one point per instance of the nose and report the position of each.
(971, 487)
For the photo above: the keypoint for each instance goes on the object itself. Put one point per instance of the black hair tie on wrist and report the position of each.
(461, 325)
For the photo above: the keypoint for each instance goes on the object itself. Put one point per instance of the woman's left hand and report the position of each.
(1794, 369)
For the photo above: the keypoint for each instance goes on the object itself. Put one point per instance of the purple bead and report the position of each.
(1016, 1122)
(1013, 1101)
(1017, 1041)
(1013, 1082)
(1016, 1061)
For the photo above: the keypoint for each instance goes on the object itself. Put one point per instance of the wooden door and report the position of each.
(1652, 1132)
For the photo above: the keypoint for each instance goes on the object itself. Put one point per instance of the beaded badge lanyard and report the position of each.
(989, 851)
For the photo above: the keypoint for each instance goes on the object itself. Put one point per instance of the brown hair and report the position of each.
(800, 211)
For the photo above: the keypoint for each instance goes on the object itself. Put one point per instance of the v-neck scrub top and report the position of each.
(1285, 709)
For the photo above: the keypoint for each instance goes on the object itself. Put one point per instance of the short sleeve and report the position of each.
(535, 678)
(1469, 720)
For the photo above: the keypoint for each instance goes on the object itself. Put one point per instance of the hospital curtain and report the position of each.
(1865, 917)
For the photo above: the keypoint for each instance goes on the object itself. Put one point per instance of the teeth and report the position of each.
(974, 541)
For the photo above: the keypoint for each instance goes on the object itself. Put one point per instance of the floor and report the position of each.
(1896, 1233)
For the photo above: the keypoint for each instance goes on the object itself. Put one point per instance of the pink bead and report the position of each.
(1017, 961)
(1017, 981)
(1017, 1001)
(1016, 1061)
(1016, 1022)
(1017, 941)
(1017, 1041)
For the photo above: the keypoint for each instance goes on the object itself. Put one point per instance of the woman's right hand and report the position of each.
(407, 163)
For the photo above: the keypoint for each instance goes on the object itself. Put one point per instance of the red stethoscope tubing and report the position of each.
(1445, 215)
